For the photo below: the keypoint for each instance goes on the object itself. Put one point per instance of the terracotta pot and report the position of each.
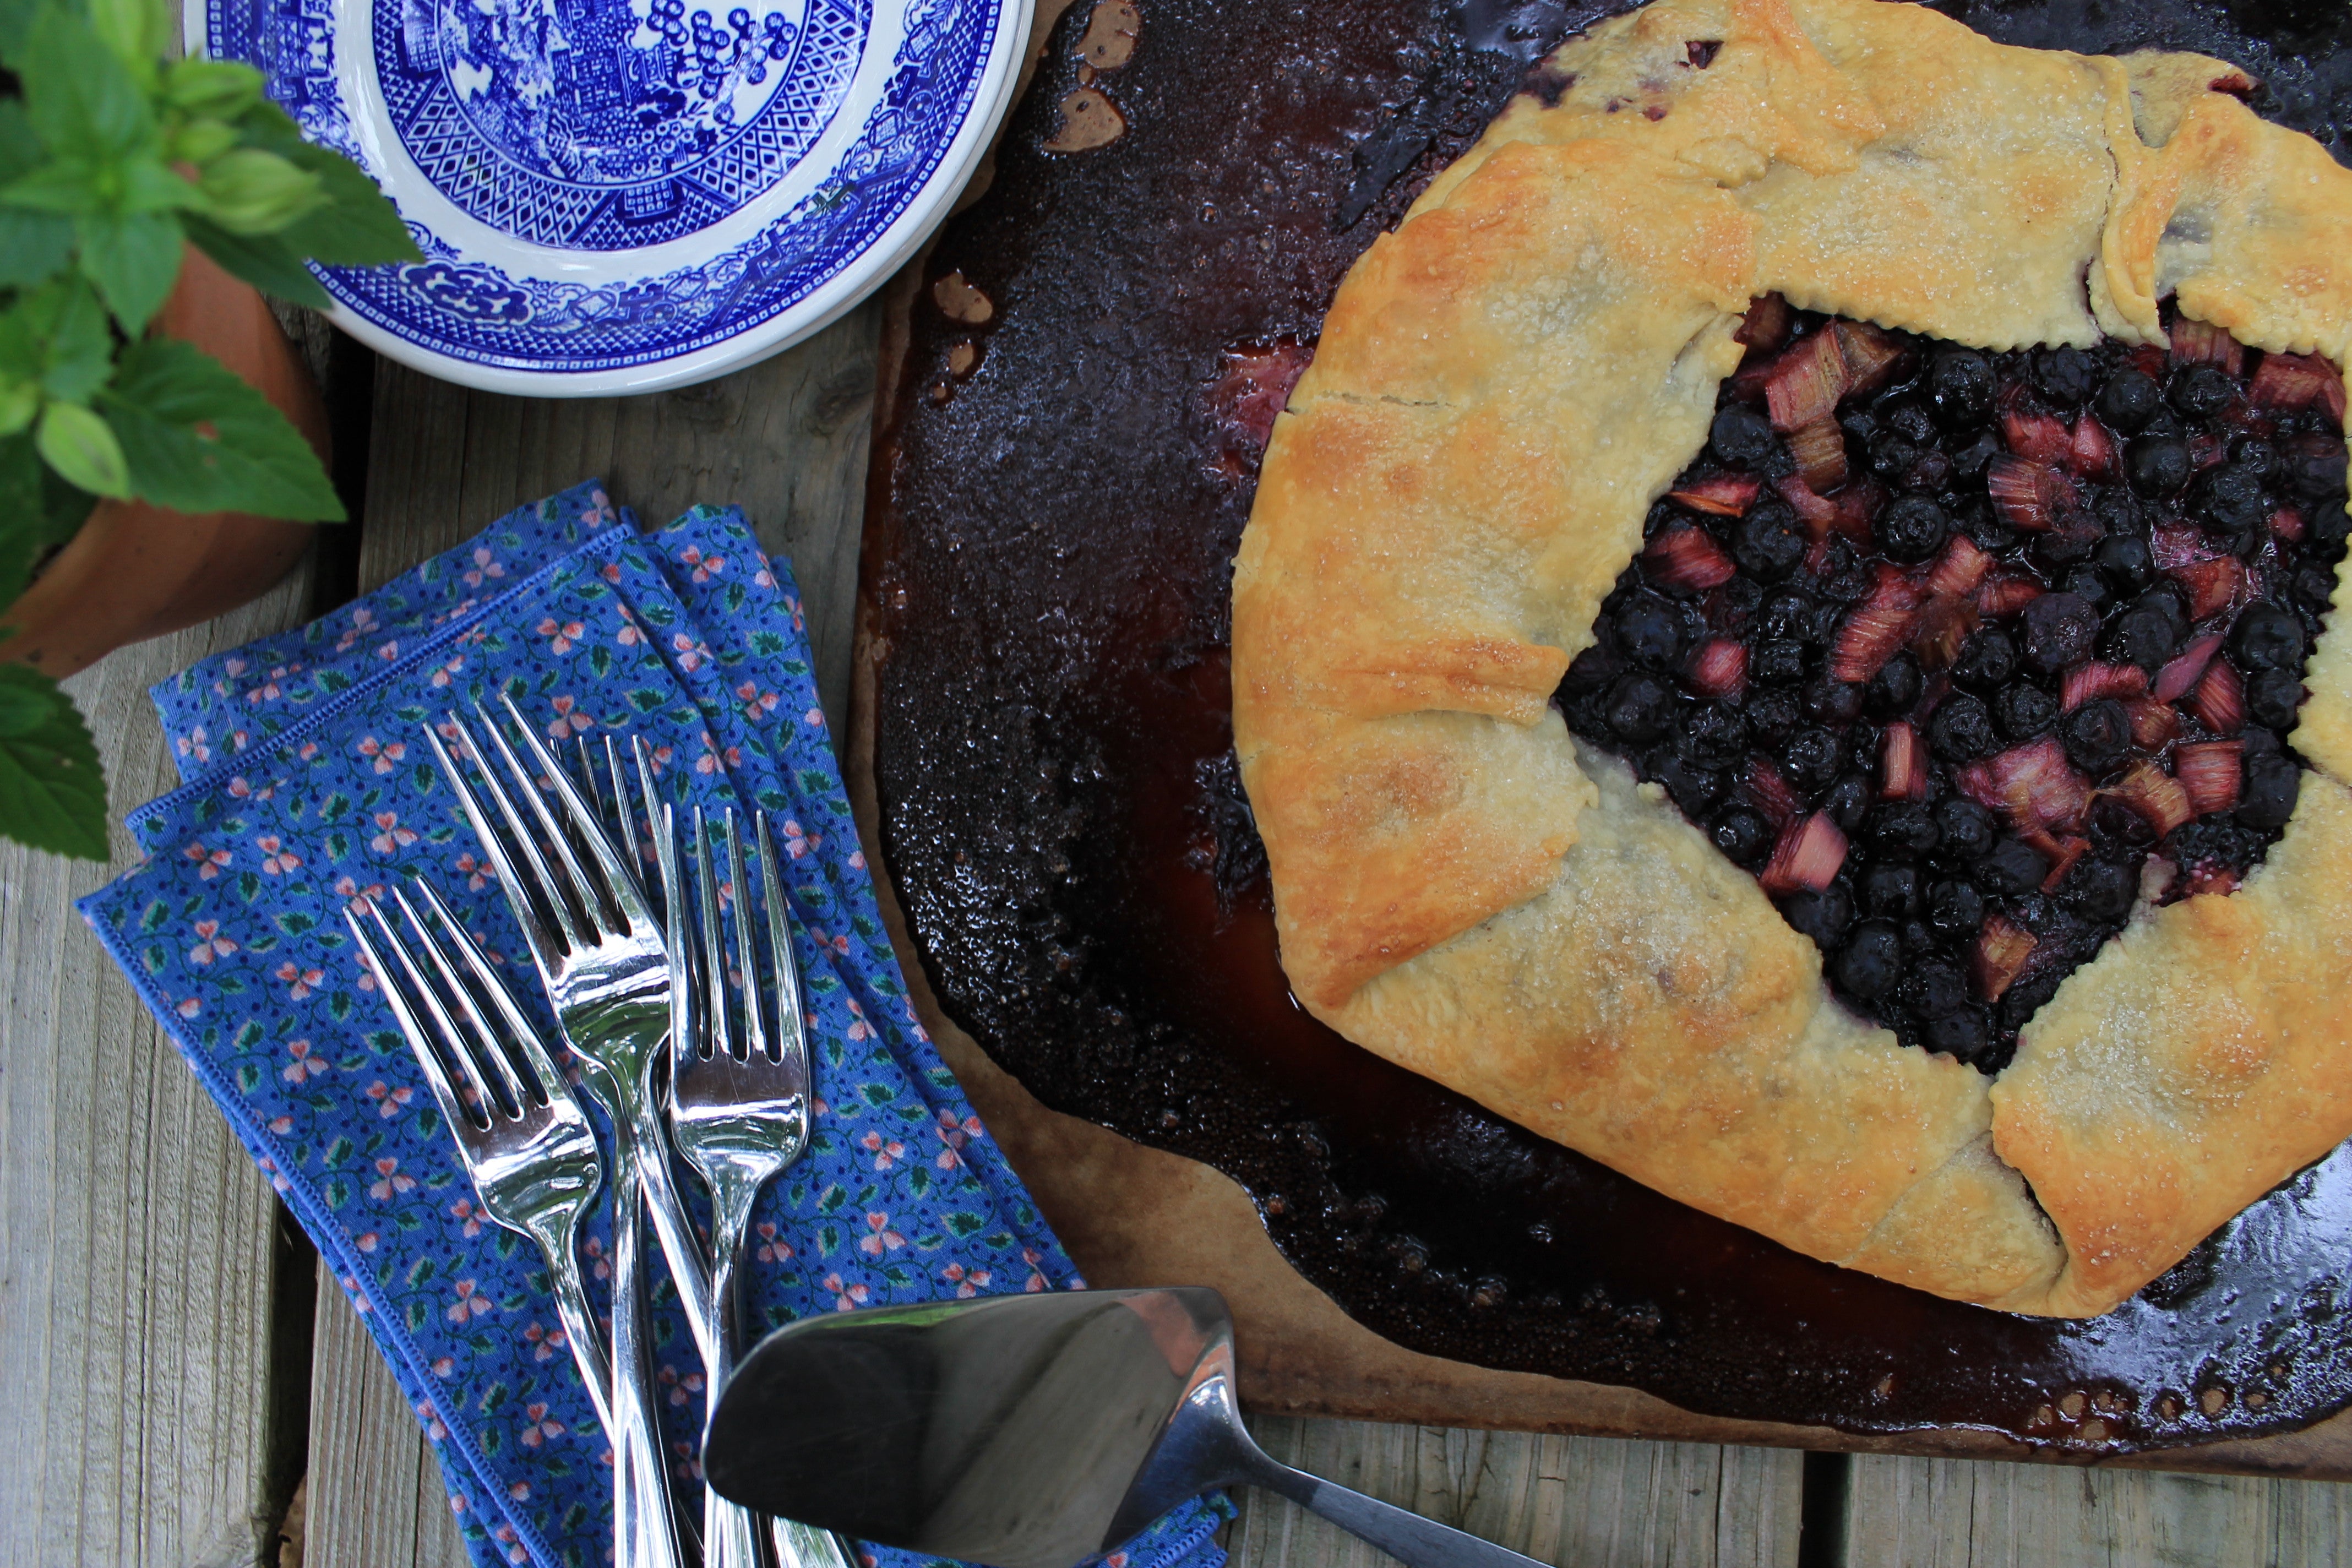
(137, 571)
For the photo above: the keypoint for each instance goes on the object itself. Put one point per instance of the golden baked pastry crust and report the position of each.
(1503, 387)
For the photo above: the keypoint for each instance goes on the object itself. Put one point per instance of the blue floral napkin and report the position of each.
(308, 784)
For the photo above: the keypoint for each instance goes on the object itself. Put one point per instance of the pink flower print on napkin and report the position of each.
(1037, 1280)
(968, 1282)
(389, 1101)
(299, 981)
(486, 565)
(470, 1303)
(469, 1218)
(209, 862)
(306, 1064)
(703, 568)
(241, 788)
(682, 1387)
(363, 621)
(269, 690)
(887, 1152)
(562, 636)
(846, 1298)
(210, 943)
(276, 859)
(757, 704)
(955, 1134)
(772, 1248)
(196, 744)
(599, 1265)
(390, 835)
(691, 654)
(478, 873)
(348, 887)
(441, 676)
(880, 1238)
(544, 1343)
(797, 842)
(860, 1029)
(432, 1420)
(391, 1181)
(630, 635)
(569, 720)
(537, 1426)
(385, 755)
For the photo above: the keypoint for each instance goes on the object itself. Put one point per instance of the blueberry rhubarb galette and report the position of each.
(1783, 641)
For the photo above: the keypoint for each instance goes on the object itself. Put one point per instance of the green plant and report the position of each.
(112, 159)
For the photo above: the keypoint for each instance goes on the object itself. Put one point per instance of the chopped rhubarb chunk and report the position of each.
(1819, 449)
(2207, 450)
(1771, 793)
(2201, 342)
(1943, 625)
(1807, 854)
(1871, 355)
(2154, 724)
(2092, 679)
(1722, 495)
(1960, 568)
(2036, 437)
(2175, 545)
(2093, 450)
(1903, 763)
(1806, 382)
(1719, 667)
(1876, 630)
(1688, 558)
(2002, 948)
(2179, 676)
(2297, 382)
(2210, 773)
(1766, 323)
(1820, 513)
(2219, 700)
(2005, 594)
(2028, 495)
(2033, 785)
(2156, 795)
(2286, 525)
(2063, 853)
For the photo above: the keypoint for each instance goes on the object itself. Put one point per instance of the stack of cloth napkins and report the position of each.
(309, 783)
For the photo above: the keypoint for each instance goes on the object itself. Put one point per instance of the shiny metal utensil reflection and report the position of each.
(1020, 1431)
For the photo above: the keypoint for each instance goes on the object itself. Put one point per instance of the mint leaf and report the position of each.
(357, 226)
(33, 247)
(78, 443)
(81, 100)
(133, 260)
(57, 335)
(52, 794)
(197, 438)
(264, 261)
(20, 150)
(15, 22)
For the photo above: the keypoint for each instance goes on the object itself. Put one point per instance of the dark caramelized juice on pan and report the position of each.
(1059, 488)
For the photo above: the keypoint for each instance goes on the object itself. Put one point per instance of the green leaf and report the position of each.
(357, 226)
(20, 151)
(264, 261)
(66, 184)
(202, 440)
(82, 100)
(33, 247)
(25, 708)
(16, 23)
(138, 31)
(133, 261)
(78, 443)
(250, 191)
(58, 336)
(220, 89)
(31, 520)
(52, 795)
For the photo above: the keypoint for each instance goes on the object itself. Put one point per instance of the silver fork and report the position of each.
(604, 965)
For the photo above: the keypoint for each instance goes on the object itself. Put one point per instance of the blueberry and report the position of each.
(2085, 583)
(2011, 867)
(1848, 803)
(2141, 636)
(2200, 391)
(1872, 959)
(2059, 631)
(1832, 701)
(1903, 830)
(1918, 937)
(2315, 467)
(2272, 784)
(1770, 542)
(1824, 916)
(2273, 696)
(1694, 787)
(2067, 376)
(1966, 827)
(2259, 740)
(2123, 559)
(1891, 456)
(1972, 460)
(1987, 662)
(2114, 826)
(1777, 661)
(1960, 387)
(1742, 437)
(1960, 730)
(2129, 401)
(1651, 631)
(1935, 990)
(2228, 501)
(2100, 889)
(1956, 908)
(1714, 735)
(2256, 454)
(1929, 472)
(1888, 888)
(1639, 709)
(2266, 637)
(1909, 420)
(1772, 717)
(1742, 835)
(1810, 760)
(1895, 690)
(1912, 528)
(1788, 612)
(2166, 601)
(2156, 466)
(2071, 541)
(1864, 744)
(2023, 710)
(1960, 1033)
(2313, 587)
(2097, 736)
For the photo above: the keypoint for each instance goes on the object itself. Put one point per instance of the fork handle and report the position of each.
(644, 1152)
(653, 1541)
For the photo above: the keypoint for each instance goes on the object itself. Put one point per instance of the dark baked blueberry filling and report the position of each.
(1966, 653)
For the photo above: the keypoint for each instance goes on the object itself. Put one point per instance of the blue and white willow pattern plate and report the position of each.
(621, 195)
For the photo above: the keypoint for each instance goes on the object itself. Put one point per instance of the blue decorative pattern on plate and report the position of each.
(617, 195)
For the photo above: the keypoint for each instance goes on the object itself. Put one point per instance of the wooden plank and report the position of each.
(1594, 1502)
(1950, 1513)
(785, 439)
(136, 1251)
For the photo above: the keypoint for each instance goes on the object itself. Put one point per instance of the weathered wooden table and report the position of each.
(172, 1367)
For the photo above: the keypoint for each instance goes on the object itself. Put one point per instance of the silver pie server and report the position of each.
(1019, 1431)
